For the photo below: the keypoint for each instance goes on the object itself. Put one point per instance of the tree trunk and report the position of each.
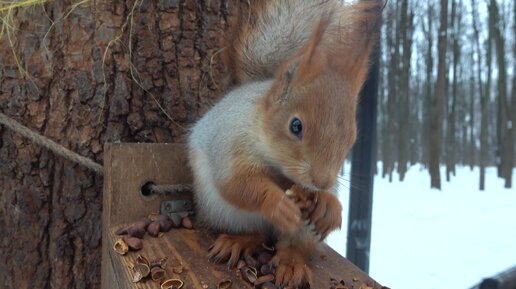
(484, 93)
(436, 119)
(428, 31)
(404, 136)
(504, 128)
(513, 111)
(393, 44)
(450, 132)
(74, 84)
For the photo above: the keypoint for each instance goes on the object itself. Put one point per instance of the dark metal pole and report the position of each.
(363, 160)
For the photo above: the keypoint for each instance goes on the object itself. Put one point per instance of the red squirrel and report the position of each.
(288, 124)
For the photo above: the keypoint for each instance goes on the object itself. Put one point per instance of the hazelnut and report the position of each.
(134, 243)
(165, 223)
(187, 223)
(153, 229)
(142, 223)
(135, 231)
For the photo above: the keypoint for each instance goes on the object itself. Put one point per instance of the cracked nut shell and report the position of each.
(172, 283)
(121, 247)
(157, 274)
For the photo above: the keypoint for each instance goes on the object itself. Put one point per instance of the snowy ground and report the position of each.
(429, 239)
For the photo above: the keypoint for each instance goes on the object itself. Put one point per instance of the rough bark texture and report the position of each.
(437, 101)
(82, 95)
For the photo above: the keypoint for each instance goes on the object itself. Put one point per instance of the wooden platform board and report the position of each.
(190, 247)
(127, 168)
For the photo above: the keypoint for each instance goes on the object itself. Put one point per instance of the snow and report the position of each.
(429, 239)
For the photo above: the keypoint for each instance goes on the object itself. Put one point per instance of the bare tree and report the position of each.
(484, 92)
(429, 65)
(407, 22)
(451, 124)
(504, 128)
(436, 114)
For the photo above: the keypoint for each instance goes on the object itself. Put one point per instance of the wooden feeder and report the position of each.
(127, 168)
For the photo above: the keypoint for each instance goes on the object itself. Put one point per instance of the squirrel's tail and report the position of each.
(269, 33)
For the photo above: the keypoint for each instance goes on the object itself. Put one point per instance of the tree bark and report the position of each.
(404, 136)
(393, 44)
(484, 93)
(436, 119)
(504, 128)
(74, 84)
(428, 31)
(450, 132)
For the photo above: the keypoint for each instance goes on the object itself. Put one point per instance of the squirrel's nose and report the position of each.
(322, 181)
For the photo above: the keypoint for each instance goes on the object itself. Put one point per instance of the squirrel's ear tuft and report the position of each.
(356, 36)
(312, 56)
(304, 65)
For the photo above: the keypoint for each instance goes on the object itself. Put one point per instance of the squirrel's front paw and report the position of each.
(327, 214)
(282, 213)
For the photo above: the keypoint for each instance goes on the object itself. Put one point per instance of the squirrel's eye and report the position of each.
(296, 127)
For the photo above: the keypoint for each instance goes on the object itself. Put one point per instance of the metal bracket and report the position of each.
(176, 206)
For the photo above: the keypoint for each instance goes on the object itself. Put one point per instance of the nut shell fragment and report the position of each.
(172, 283)
(142, 260)
(142, 268)
(157, 274)
(224, 284)
(140, 271)
(121, 247)
(159, 263)
(137, 277)
(249, 274)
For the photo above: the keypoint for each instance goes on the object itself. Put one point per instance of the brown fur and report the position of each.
(253, 188)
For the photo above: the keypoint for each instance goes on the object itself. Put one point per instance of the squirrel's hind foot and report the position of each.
(291, 268)
(229, 247)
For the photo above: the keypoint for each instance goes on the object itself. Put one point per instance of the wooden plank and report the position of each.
(127, 167)
(190, 248)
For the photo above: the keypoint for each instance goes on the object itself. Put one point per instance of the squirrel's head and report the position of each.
(309, 114)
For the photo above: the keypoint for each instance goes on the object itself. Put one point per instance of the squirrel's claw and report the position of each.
(327, 214)
(230, 247)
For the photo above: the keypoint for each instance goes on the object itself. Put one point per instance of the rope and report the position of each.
(51, 145)
(170, 189)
